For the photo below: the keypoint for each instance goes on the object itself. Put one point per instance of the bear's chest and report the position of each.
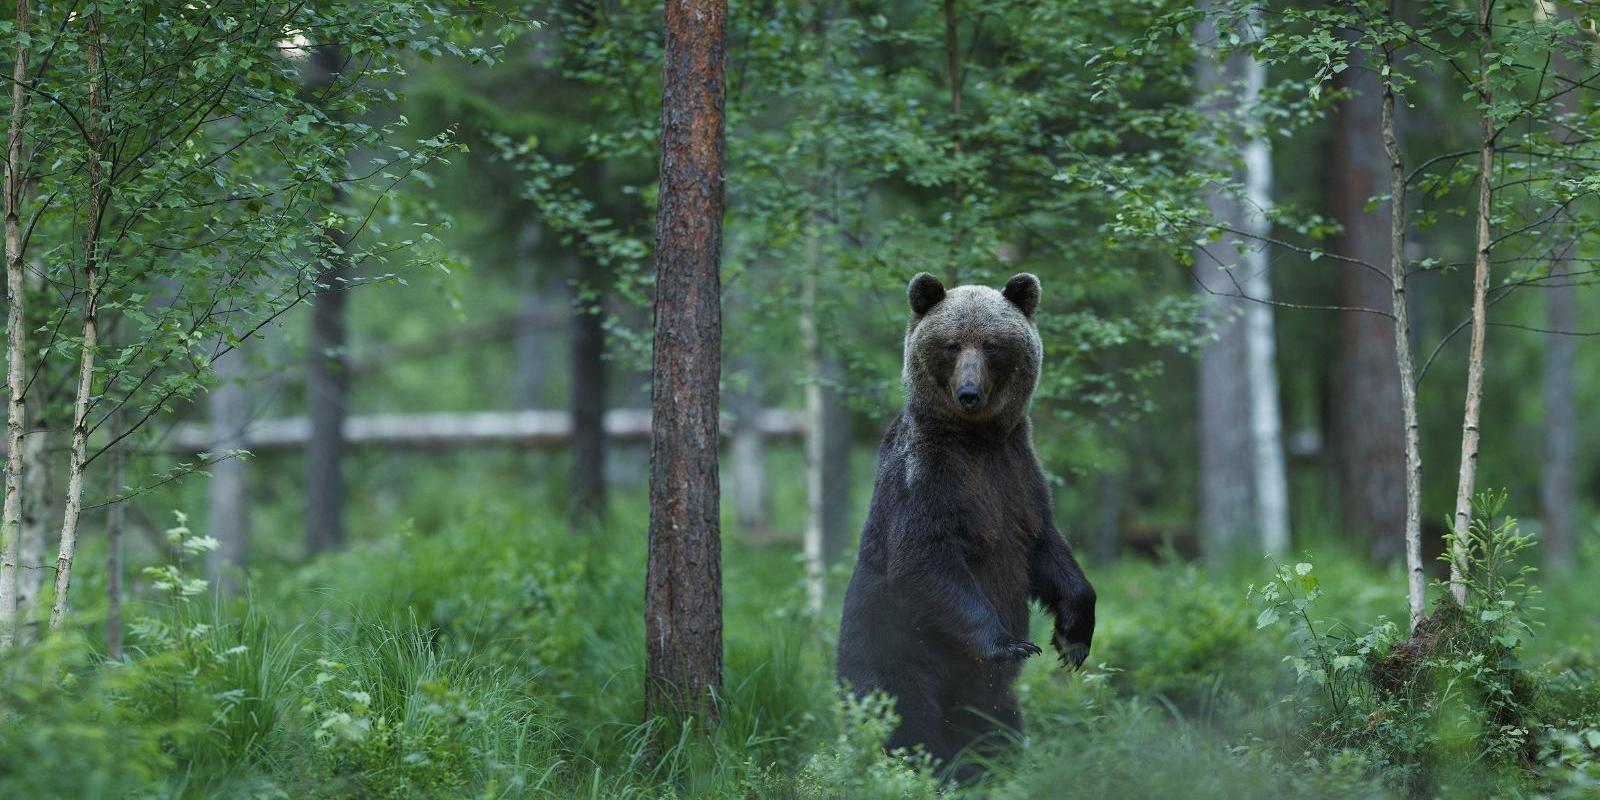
(1002, 513)
(1002, 529)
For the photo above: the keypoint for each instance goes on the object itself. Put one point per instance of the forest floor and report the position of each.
(499, 654)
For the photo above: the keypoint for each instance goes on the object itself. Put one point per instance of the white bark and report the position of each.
(98, 195)
(1415, 580)
(1266, 424)
(816, 568)
(16, 342)
(1244, 487)
(1472, 414)
(36, 514)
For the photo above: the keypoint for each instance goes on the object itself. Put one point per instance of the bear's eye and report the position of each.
(952, 348)
(991, 349)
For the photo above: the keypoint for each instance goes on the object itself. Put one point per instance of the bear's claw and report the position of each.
(1018, 649)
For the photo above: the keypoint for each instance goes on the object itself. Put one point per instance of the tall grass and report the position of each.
(500, 655)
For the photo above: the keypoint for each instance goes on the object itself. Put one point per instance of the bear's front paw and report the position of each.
(1009, 649)
(1072, 654)
(1072, 644)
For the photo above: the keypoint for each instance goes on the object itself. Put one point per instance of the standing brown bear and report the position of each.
(960, 533)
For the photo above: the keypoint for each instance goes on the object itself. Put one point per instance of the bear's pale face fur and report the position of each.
(972, 354)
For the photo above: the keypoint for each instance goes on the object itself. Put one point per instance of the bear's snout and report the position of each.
(969, 379)
(969, 397)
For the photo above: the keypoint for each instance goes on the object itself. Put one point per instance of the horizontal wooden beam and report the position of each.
(545, 430)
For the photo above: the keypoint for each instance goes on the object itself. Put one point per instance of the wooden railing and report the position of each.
(436, 431)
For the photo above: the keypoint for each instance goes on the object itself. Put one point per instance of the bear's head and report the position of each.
(972, 354)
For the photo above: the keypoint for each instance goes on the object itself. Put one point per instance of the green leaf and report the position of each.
(1268, 616)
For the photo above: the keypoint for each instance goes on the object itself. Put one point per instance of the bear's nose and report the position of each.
(968, 396)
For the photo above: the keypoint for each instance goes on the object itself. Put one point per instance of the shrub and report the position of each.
(1450, 707)
(853, 763)
(1180, 635)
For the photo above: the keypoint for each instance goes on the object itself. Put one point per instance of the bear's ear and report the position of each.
(924, 293)
(1023, 292)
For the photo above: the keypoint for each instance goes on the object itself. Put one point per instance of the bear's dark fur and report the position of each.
(960, 535)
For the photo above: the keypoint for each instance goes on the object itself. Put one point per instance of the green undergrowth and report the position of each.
(501, 656)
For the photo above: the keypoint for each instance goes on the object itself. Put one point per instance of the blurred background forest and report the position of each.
(337, 340)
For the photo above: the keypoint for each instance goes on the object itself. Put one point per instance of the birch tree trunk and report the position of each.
(228, 491)
(1416, 587)
(683, 577)
(1243, 487)
(99, 194)
(812, 543)
(1472, 414)
(1268, 471)
(16, 341)
(116, 516)
(1366, 411)
(36, 516)
(38, 493)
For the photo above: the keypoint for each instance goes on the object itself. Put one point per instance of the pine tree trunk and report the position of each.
(99, 194)
(1367, 404)
(1416, 587)
(588, 405)
(327, 398)
(1558, 490)
(532, 323)
(228, 491)
(683, 582)
(328, 369)
(16, 342)
(1107, 539)
(1471, 416)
